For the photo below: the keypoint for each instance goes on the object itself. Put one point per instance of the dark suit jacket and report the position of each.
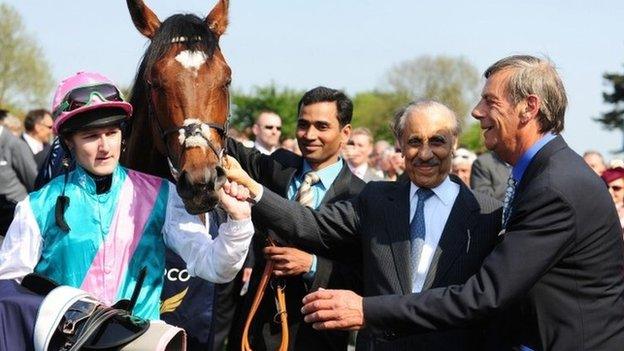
(561, 258)
(377, 222)
(489, 175)
(276, 172)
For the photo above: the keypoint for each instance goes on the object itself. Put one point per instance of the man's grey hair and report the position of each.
(400, 117)
(535, 76)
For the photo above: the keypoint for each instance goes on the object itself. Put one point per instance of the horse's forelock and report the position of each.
(198, 37)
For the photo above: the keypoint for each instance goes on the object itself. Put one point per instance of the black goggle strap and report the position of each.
(62, 201)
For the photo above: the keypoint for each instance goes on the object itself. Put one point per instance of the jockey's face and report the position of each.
(97, 150)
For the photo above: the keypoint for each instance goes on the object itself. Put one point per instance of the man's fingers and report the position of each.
(322, 316)
(275, 250)
(317, 295)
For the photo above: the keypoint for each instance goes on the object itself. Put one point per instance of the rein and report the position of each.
(193, 133)
(280, 303)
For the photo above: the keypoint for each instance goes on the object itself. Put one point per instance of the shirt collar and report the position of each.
(521, 166)
(326, 175)
(263, 149)
(359, 170)
(32, 142)
(444, 191)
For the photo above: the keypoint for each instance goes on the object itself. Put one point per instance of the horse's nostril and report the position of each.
(220, 172)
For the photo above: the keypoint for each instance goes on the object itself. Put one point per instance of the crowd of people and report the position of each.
(416, 243)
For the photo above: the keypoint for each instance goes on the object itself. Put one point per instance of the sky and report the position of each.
(350, 44)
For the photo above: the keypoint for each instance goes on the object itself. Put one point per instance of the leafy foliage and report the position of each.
(25, 78)
(452, 81)
(282, 101)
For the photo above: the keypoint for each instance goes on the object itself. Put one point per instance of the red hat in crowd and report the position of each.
(612, 174)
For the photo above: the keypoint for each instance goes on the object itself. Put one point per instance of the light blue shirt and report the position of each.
(518, 170)
(327, 176)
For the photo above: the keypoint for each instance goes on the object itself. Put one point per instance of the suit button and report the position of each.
(389, 334)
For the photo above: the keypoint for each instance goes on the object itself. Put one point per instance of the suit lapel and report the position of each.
(455, 236)
(341, 184)
(397, 222)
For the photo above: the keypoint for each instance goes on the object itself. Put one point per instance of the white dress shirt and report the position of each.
(35, 145)
(437, 211)
(360, 170)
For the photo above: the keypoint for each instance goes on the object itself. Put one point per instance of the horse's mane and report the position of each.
(198, 38)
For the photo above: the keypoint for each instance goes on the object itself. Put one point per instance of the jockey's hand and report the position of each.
(288, 261)
(233, 198)
(333, 309)
(235, 173)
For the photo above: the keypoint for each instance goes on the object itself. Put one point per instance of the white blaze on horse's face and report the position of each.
(191, 60)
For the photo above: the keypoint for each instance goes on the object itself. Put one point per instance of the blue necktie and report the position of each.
(418, 230)
(510, 192)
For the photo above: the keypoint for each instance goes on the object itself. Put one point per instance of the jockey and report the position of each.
(96, 227)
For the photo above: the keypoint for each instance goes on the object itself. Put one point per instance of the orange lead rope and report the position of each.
(280, 298)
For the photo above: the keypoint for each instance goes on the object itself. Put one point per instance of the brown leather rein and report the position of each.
(280, 301)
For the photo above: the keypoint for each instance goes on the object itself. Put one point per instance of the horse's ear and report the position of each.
(143, 17)
(217, 20)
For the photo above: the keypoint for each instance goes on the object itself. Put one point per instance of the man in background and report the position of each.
(17, 173)
(489, 175)
(358, 152)
(595, 161)
(267, 129)
(38, 134)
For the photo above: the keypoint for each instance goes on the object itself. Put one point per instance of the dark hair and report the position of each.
(3, 114)
(324, 94)
(33, 117)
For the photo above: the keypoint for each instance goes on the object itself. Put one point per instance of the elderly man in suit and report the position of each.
(561, 255)
(317, 177)
(427, 233)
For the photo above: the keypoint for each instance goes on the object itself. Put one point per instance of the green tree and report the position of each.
(375, 110)
(614, 119)
(451, 80)
(472, 138)
(25, 78)
(282, 101)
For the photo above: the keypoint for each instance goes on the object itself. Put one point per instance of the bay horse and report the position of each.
(181, 103)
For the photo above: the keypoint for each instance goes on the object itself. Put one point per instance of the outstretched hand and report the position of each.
(235, 173)
(233, 198)
(333, 309)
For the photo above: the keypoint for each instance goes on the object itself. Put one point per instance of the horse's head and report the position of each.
(187, 86)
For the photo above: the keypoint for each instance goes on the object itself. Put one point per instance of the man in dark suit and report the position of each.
(561, 255)
(450, 232)
(489, 175)
(323, 128)
(38, 134)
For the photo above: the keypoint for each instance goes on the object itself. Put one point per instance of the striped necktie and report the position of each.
(305, 195)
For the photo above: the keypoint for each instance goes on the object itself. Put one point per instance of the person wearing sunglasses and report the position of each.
(98, 226)
(614, 178)
(267, 130)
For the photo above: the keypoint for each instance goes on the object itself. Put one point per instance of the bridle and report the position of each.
(193, 133)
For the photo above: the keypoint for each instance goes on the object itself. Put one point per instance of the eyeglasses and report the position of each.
(615, 187)
(269, 127)
(82, 96)
(45, 125)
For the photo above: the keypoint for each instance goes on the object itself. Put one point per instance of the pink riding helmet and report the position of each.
(78, 80)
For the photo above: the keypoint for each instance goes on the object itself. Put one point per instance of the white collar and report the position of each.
(35, 145)
(444, 191)
(263, 149)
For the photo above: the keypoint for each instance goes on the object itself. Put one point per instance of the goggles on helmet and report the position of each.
(83, 96)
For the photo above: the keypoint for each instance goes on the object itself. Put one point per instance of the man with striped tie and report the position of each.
(317, 177)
